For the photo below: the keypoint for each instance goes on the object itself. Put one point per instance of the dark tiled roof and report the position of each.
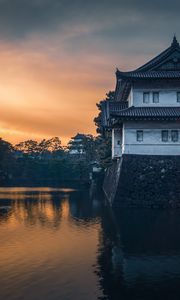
(166, 65)
(151, 74)
(117, 106)
(122, 91)
(161, 57)
(78, 136)
(111, 106)
(147, 112)
(150, 69)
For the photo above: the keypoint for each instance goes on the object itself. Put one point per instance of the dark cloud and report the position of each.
(127, 27)
(18, 18)
(58, 58)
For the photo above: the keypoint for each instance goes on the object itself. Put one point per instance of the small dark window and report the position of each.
(178, 96)
(155, 97)
(174, 135)
(145, 97)
(164, 134)
(118, 142)
(139, 135)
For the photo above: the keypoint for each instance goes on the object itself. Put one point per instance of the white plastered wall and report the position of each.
(116, 143)
(152, 140)
(166, 98)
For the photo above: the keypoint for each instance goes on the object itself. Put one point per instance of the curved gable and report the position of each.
(169, 59)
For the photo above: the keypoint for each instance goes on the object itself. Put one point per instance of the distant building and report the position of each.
(76, 145)
(145, 115)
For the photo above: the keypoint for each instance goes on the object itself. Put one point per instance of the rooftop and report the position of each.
(165, 113)
(150, 74)
(166, 65)
(170, 55)
(78, 136)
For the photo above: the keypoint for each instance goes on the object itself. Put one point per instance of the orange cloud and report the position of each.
(47, 91)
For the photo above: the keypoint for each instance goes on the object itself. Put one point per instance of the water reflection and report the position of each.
(46, 206)
(140, 257)
(62, 244)
(48, 244)
(31, 207)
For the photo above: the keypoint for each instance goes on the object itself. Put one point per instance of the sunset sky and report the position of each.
(58, 59)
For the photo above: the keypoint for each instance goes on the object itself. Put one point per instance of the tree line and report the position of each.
(42, 162)
(47, 161)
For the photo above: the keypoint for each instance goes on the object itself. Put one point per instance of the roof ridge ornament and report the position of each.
(174, 42)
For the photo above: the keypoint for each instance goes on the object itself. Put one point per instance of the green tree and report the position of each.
(6, 160)
(55, 147)
(98, 119)
(29, 147)
(103, 141)
(42, 149)
(89, 148)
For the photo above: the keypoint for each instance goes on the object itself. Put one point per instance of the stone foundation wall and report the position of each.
(144, 181)
(111, 180)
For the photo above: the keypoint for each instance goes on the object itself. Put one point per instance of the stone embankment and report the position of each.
(144, 181)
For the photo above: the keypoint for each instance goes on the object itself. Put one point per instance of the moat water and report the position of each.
(61, 244)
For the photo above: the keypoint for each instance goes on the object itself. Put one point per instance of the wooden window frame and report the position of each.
(144, 94)
(164, 140)
(139, 136)
(155, 101)
(174, 138)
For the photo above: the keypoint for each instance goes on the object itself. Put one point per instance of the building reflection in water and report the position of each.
(139, 255)
(59, 243)
(85, 212)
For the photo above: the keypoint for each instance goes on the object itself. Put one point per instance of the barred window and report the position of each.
(164, 135)
(139, 135)
(146, 97)
(174, 135)
(155, 97)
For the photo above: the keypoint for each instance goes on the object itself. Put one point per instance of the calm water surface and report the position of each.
(60, 244)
